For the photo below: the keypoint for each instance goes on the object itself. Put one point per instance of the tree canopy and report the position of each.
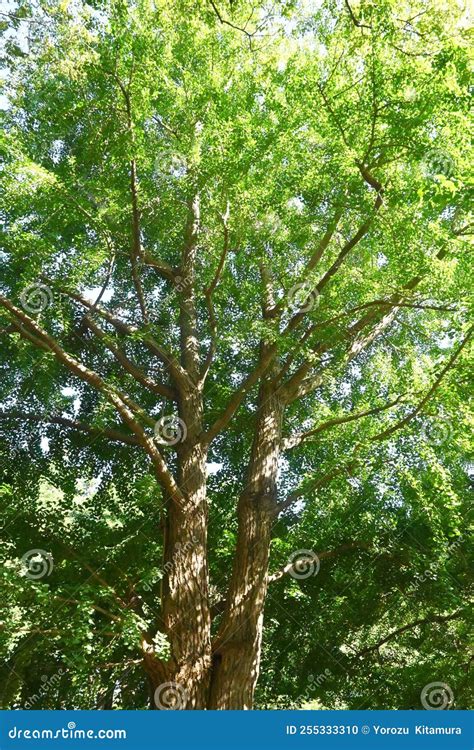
(235, 245)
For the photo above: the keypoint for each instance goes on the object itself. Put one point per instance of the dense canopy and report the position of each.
(235, 345)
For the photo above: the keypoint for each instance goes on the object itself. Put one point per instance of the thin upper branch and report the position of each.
(449, 365)
(349, 547)
(317, 483)
(354, 19)
(395, 633)
(295, 440)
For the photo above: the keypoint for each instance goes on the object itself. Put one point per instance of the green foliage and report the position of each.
(273, 123)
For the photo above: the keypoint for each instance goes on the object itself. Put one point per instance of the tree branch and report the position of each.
(295, 440)
(403, 422)
(73, 424)
(176, 371)
(317, 484)
(355, 20)
(209, 291)
(124, 405)
(321, 556)
(127, 364)
(409, 626)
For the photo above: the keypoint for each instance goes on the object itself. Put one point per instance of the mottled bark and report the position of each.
(237, 648)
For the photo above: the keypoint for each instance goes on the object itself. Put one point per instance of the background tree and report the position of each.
(234, 243)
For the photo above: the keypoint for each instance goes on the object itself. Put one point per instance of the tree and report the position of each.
(234, 238)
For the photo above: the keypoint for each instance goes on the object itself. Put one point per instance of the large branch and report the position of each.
(177, 372)
(189, 340)
(261, 367)
(348, 467)
(208, 293)
(127, 364)
(360, 343)
(302, 383)
(73, 424)
(225, 417)
(317, 483)
(136, 254)
(126, 408)
(163, 268)
(313, 260)
(292, 386)
(361, 232)
(29, 330)
(136, 248)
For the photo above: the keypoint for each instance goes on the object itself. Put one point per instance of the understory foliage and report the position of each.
(236, 199)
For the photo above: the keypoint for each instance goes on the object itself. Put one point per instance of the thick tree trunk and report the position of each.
(237, 648)
(185, 587)
(199, 674)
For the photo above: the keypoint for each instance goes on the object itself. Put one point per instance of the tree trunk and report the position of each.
(237, 648)
(198, 676)
(184, 680)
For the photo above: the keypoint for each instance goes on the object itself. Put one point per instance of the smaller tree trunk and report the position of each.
(237, 649)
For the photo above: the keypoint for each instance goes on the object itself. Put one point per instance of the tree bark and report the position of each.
(186, 616)
(237, 647)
